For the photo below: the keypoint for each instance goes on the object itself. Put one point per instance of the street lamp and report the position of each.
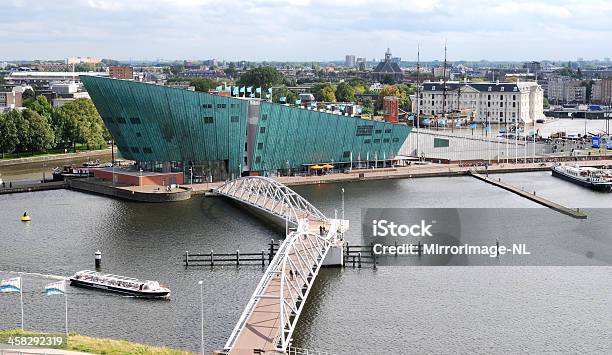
(342, 213)
(201, 283)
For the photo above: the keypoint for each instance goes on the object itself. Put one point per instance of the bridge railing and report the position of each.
(300, 266)
(271, 196)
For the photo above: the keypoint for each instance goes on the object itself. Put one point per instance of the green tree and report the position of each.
(80, 123)
(85, 67)
(231, 70)
(324, 92)
(399, 91)
(546, 103)
(203, 84)
(345, 93)
(279, 92)
(27, 94)
(42, 136)
(40, 104)
(263, 77)
(8, 134)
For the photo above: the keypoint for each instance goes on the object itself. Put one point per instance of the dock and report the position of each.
(574, 213)
(53, 185)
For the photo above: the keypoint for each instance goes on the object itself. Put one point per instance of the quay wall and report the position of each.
(88, 186)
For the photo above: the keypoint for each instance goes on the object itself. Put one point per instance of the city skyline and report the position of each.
(296, 30)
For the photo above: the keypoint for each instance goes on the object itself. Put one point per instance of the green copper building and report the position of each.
(168, 129)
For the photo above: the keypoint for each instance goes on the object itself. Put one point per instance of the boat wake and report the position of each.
(35, 274)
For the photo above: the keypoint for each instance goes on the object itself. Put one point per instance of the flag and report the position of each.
(359, 156)
(11, 285)
(351, 156)
(258, 90)
(368, 156)
(376, 155)
(56, 288)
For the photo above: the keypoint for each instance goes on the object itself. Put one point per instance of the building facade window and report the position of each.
(209, 119)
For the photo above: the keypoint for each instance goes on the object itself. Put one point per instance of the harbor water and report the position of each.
(404, 310)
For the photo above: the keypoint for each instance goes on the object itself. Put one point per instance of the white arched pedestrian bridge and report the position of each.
(269, 319)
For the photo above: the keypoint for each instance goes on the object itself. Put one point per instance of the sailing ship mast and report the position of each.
(418, 97)
(444, 86)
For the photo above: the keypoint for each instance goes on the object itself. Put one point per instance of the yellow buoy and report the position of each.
(25, 218)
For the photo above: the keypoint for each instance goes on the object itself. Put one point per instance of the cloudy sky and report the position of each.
(301, 30)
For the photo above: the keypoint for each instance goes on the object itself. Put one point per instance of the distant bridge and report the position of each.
(269, 319)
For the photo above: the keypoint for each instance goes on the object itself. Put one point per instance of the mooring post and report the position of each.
(359, 260)
(212, 258)
(271, 251)
(237, 257)
(186, 258)
(374, 254)
(353, 261)
(263, 258)
(497, 245)
(98, 259)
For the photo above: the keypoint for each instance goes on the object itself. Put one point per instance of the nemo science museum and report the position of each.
(210, 137)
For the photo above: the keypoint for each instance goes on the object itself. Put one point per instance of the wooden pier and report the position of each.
(51, 185)
(575, 213)
(236, 258)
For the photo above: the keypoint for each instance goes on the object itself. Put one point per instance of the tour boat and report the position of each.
(594, 178)
(119, 284)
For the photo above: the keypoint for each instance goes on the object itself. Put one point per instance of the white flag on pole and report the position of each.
(56, 288)
(11, 285)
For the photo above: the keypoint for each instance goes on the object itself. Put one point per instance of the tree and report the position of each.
(42, 136)
(345, 93)
(85, 67)
(324, 92)
(399, 91)
(40, 104)
(203, 84)
(8, 134)
(231, 70)
(27, 94)
(546, 103)
(279, 92)
(263, 77)
(80, 123)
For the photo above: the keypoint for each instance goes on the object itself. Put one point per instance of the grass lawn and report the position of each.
(79, 147)
(105, 346)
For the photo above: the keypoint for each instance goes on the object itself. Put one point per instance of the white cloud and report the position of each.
(304, 29)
